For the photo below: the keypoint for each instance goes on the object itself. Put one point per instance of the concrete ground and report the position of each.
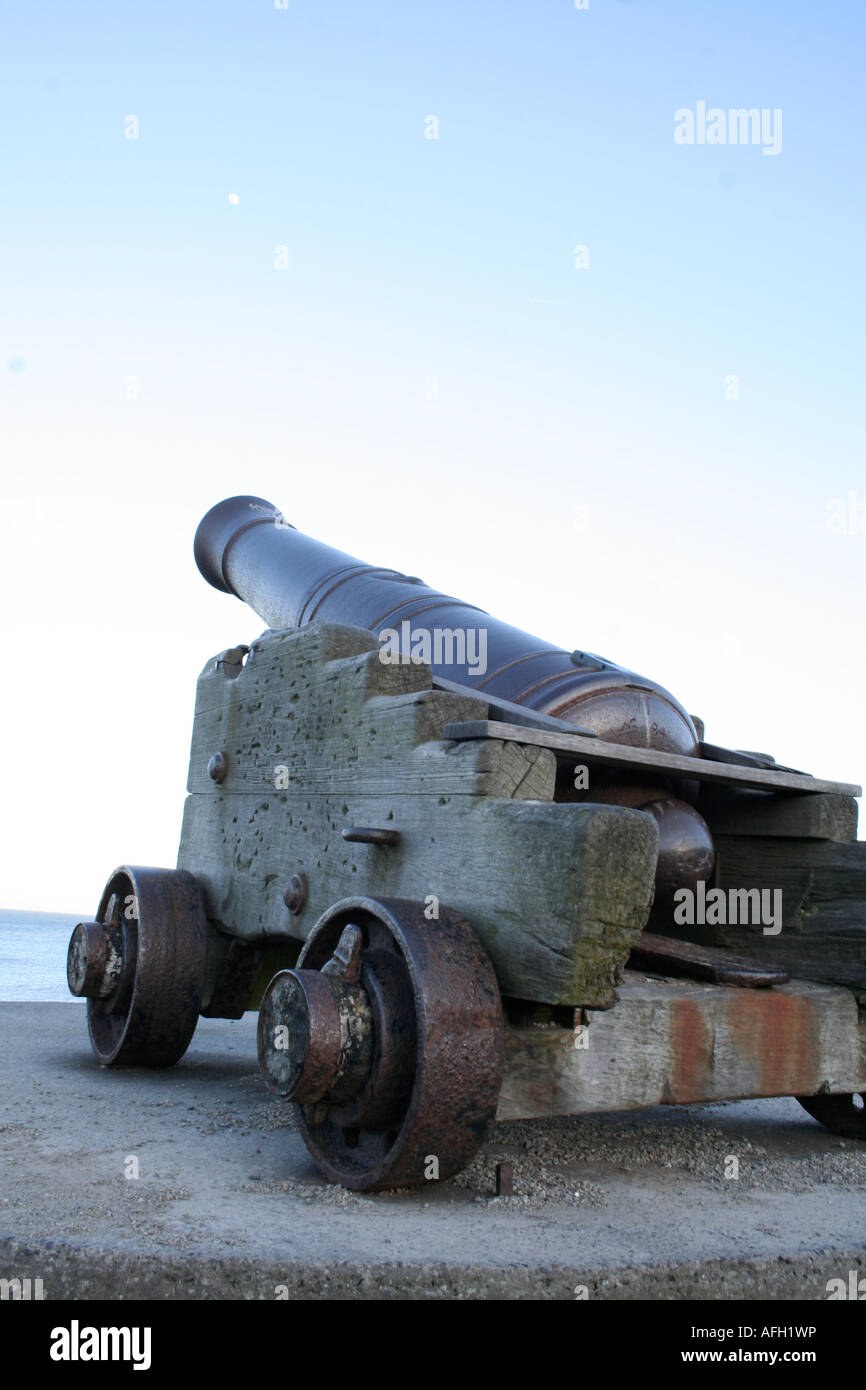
(228, 1203)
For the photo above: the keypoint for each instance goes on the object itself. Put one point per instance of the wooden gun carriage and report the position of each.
(451, 890)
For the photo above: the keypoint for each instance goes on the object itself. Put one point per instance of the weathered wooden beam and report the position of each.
(557, 893)
(595, 750)
(317, 735)
(673, 1042)
(823, 888)
(307, 716)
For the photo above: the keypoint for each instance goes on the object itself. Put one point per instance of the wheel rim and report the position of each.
(842, 1114)
(150, 1015)
(432, 1086)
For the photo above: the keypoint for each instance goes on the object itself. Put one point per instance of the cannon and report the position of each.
(463, 873)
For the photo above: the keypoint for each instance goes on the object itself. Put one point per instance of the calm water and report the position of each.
(33, 954)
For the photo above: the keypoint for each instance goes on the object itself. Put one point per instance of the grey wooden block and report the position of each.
(557, 892)
(315, 711)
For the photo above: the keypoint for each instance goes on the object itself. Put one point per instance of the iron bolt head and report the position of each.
(218, 767)
(295, 894)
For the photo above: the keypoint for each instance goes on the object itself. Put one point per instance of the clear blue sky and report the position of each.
(430, 383)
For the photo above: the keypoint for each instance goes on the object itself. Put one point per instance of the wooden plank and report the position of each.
(674, 1042)
(739, 757)
(511, 713)
(593, 750)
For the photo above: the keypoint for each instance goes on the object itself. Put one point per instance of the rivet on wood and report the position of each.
(295, 894)
(218, 767)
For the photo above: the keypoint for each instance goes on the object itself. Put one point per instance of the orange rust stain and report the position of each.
(691, 1043)
(780, 1035)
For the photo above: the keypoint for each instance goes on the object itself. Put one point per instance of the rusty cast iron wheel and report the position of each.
(840, 1114)
(155, 920)
(388, 1037)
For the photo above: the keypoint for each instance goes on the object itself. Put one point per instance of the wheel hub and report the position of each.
(94, 960)
(388, 1039)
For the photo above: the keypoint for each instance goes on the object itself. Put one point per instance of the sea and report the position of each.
(33, 954)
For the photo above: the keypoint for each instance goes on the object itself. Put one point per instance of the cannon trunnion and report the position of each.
(392, 860)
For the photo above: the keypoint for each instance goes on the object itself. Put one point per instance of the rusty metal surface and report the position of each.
(299, 1035)
(295, 893)
(370, 835)
(393, 1043)
(94, 959)
(504, 1180)
(156, 918)
(668, 956)
(218, 767)
(232, 990)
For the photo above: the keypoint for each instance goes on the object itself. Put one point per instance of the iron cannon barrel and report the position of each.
(244, 546)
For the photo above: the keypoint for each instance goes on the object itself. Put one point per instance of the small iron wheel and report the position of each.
(842, 1114)
(140, 966)
(388, 1038)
